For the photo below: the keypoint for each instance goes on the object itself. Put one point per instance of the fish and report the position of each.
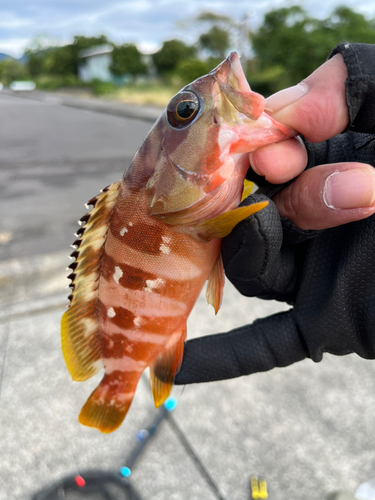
(152, 240)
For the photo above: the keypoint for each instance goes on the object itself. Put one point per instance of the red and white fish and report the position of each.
(153, 239)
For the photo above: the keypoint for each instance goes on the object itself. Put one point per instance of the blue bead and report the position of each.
(142, 435)
(125, 471)
(170, 404)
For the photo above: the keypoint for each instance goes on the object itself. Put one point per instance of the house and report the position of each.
(95, 64)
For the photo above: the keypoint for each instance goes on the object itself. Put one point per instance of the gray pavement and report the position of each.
(308, 428)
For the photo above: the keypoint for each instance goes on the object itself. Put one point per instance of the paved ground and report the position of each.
(308, 429)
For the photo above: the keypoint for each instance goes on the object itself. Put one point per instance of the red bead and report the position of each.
(80, 481)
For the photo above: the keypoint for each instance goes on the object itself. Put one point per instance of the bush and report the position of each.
(100, 88)
(56, 82)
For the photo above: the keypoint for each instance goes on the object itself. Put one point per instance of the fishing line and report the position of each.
(204, 472)
(185, 443)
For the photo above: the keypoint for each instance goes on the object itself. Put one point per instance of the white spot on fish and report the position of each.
(123, 231)
(165, 249)
(111, 312)
(117, 274)
(137, 321)
(153, 284)
(124, 364)
(130, 224)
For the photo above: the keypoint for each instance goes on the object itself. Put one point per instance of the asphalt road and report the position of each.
(308, 428)
(53, 159)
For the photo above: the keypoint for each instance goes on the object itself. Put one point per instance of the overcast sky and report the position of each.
(145, 22)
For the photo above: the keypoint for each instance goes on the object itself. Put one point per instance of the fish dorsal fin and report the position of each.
(215, 284)
(165, 367)
(80, 339)
(223, 224)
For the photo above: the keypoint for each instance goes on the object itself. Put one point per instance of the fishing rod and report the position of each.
(102, 483)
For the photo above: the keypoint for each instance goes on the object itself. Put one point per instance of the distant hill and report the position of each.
(5, 56)
(22, 60)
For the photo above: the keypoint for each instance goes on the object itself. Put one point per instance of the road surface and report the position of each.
(308, 428)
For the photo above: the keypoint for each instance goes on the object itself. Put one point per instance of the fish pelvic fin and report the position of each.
(164, 369)
(80, 335)
(223, 224)
(109, 403)
(247, 189)
(215, 284)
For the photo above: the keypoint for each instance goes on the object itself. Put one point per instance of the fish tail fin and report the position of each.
(109, 403)
(165, 367)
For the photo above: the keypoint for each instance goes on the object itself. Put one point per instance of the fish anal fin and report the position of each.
(215, 284)
(223, 224)
(109, 403)
(165, 367)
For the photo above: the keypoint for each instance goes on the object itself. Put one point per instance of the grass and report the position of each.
(155, 94)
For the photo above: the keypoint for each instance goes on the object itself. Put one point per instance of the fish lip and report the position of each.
(232, 65)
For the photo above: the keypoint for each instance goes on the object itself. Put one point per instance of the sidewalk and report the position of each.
(146, 113)
(308, 428)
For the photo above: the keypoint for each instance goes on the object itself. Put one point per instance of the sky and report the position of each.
(145, 22)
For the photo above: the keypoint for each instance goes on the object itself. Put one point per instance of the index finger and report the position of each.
(316, 107)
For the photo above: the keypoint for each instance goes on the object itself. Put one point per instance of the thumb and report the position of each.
(261, 346)
(316, 107)
(328, 196)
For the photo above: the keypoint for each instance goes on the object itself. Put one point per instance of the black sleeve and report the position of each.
(328, 276)
(360, 85)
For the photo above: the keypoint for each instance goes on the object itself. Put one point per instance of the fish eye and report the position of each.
(182, 109)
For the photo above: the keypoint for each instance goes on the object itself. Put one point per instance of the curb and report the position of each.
(145, 113)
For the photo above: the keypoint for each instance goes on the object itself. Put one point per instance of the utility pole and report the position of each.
(243, 43)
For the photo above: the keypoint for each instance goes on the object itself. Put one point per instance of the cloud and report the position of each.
(142, 21)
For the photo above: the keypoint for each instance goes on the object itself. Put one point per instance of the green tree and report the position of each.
(127, 60)
(59, 60)
(216, 41)
(171, 53)
(290, 44)
(11, 70)
(190, 69)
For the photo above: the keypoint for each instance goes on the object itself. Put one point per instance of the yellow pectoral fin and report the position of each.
(247, 189)
(223, 224)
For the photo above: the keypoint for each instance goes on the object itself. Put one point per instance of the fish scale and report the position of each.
(153, 239)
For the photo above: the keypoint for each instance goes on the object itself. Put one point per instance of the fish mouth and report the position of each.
(230, 72)
(235, 88)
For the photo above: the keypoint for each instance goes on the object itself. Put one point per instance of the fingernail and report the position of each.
(350, 189)
(286, 97)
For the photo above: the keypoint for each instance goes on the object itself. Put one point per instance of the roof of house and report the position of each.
(96, 51)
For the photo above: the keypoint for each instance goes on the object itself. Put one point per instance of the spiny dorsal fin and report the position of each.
(79, 326)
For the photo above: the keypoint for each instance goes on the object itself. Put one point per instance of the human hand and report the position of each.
(328, 276)
(328, 195)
